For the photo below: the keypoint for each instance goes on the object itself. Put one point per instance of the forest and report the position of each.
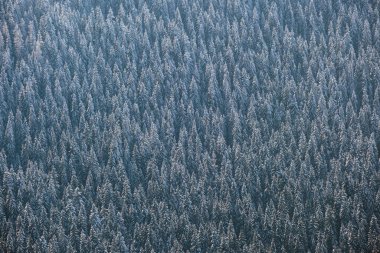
(189, 126)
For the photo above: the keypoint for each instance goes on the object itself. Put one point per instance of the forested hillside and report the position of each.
(189, 126)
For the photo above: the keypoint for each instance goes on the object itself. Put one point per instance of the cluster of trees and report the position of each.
(189, 126)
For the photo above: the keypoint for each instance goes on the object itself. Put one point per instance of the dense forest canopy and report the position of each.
(189, 126)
